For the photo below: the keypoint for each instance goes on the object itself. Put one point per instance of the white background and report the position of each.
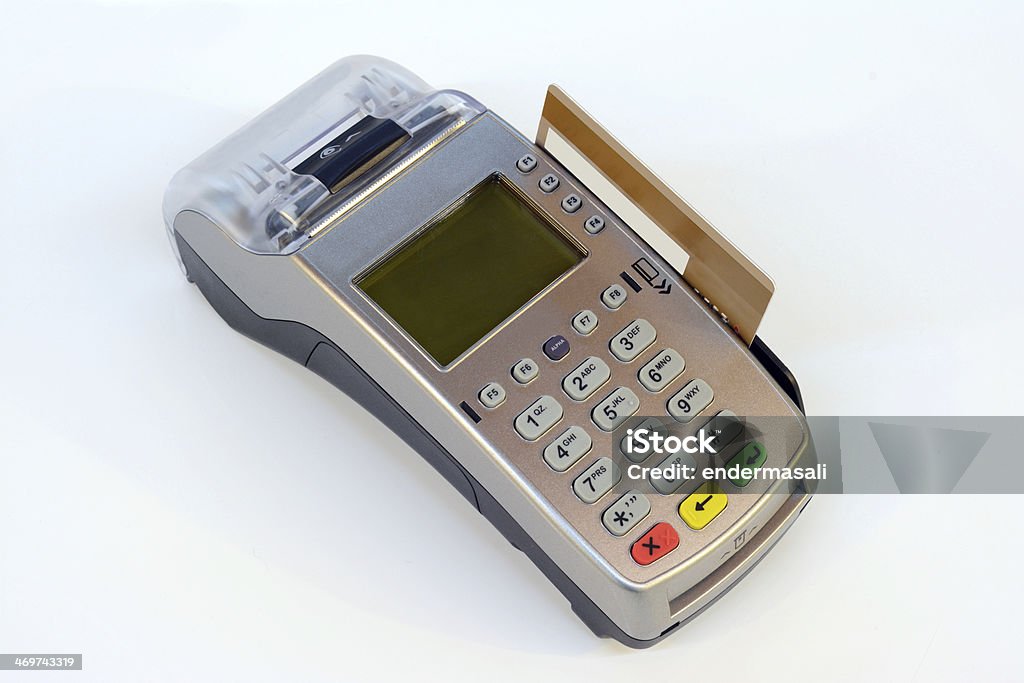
(173, 497)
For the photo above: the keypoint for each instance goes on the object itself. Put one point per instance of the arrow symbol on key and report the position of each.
(663, 287)
(699, 507)
(751, 459)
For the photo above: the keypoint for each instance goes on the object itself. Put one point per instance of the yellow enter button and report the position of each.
(702, 506)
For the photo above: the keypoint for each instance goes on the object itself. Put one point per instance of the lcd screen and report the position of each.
(469, 270)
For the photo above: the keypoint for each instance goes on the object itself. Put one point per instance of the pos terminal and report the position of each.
(456, 279)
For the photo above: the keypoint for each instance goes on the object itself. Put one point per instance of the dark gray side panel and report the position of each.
(308, 347)
(337, 368)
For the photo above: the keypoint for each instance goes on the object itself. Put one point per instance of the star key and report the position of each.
(659, 541)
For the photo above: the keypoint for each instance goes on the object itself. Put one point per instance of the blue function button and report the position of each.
(557, 347)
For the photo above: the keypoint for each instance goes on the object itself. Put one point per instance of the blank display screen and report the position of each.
(472, 268)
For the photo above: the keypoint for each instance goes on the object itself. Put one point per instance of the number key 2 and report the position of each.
(586, 378)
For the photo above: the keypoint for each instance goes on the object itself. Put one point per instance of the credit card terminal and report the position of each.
(457, 280)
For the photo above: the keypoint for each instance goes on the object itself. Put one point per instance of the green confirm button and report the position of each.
(750, 458)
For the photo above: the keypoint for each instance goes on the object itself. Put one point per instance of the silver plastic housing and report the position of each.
(311, 281)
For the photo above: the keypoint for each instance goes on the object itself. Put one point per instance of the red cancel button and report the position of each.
(658, 542)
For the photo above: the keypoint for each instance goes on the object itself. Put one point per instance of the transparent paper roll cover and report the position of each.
(246, 184)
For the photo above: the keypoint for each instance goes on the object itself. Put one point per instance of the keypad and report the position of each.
(525, 371)
(539, 417)
(492, 395)
(526, 163)
(632, 340)
(549, 183)
(686, 403)
(700, 507)
(626, 513)
(597, 480)
(584, 322)
(587, 378)
(615, 409)
(613, 297)
(657, 373)
(567, 448)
